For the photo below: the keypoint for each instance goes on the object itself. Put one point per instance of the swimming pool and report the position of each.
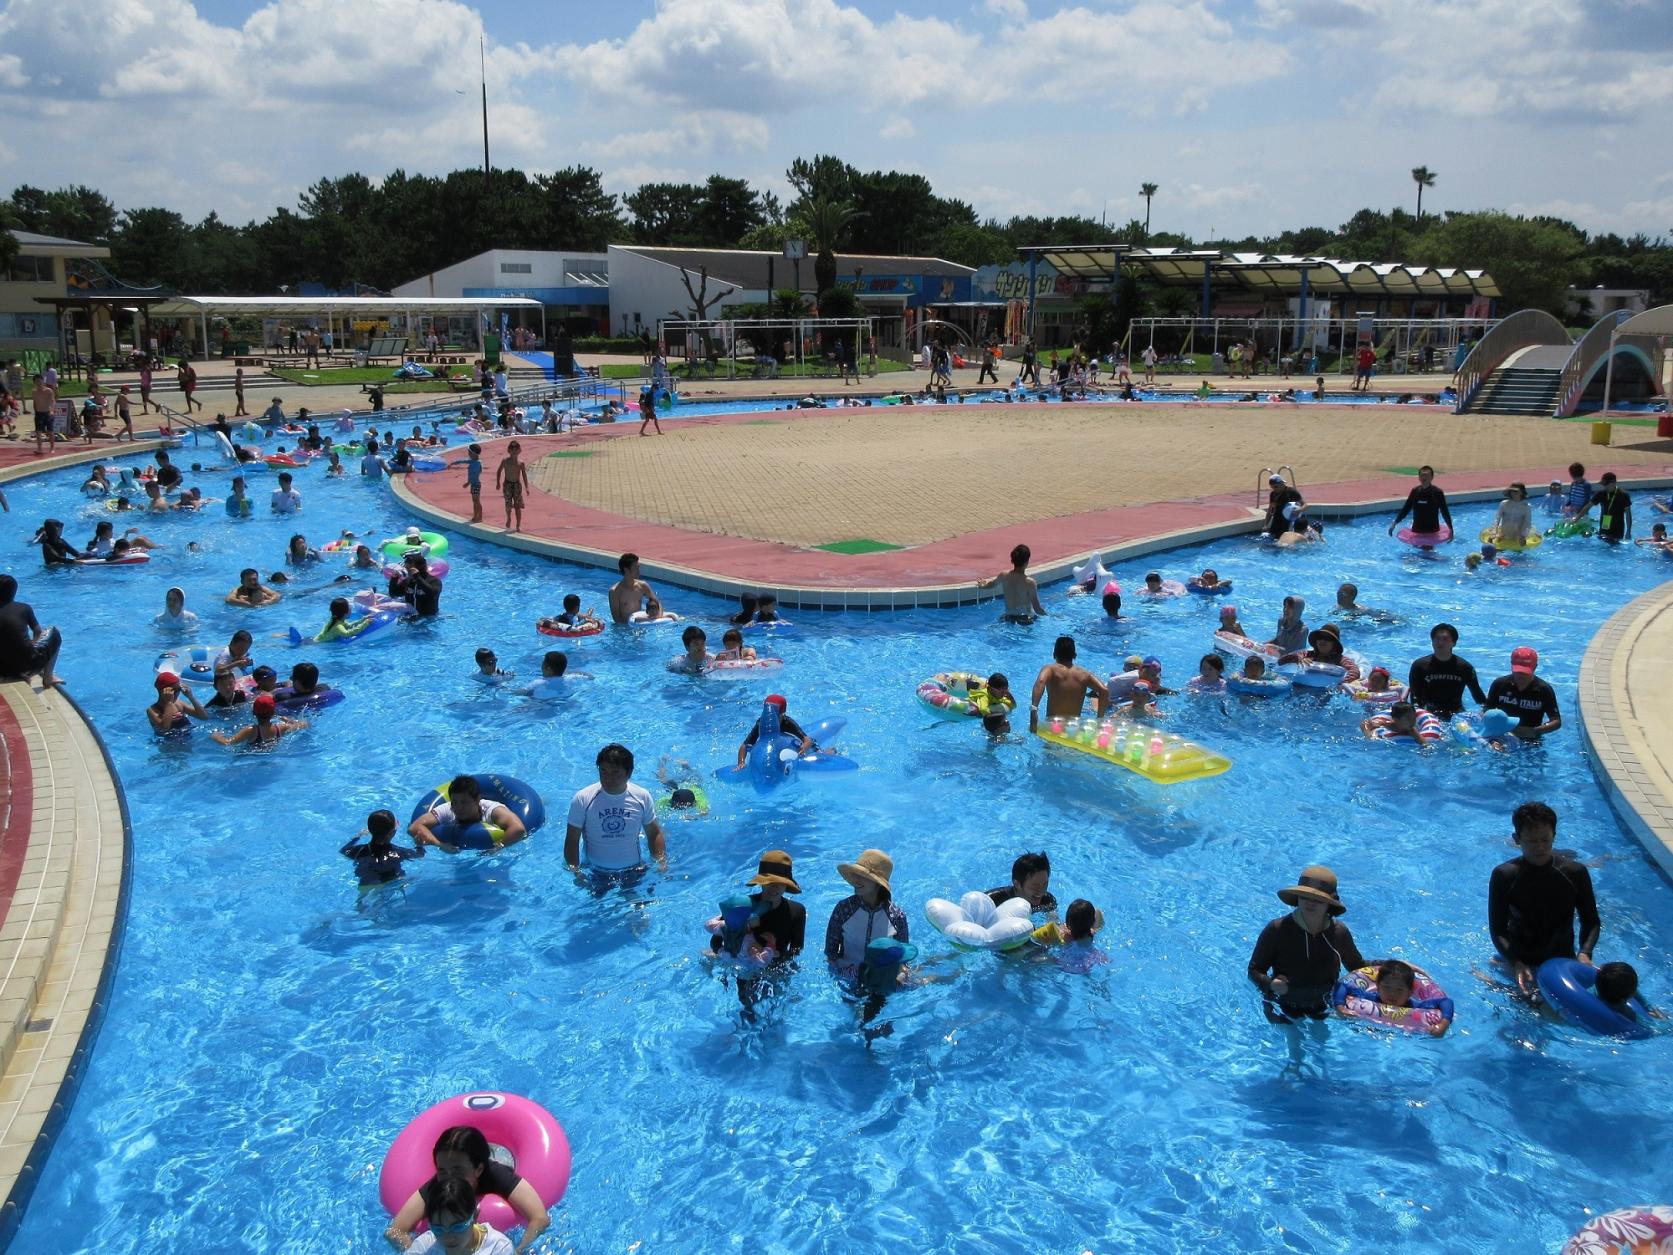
(268, 1038)
(693, 409)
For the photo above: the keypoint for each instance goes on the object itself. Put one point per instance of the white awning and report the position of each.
(1652, 322)
(281, 306)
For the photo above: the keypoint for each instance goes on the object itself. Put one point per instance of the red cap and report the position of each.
(167, 680)
(264, 704)
(1524, 660)
(775, 699)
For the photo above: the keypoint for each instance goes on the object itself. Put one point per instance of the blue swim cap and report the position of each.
(735, 909)
(889, 952)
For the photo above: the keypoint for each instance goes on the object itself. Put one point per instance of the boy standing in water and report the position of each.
(1022, 593)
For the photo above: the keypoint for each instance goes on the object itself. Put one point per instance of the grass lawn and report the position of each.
(339, 375)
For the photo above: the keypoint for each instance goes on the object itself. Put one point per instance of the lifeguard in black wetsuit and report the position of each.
(1438, 680)
(1298, 957)
(1426, 504)
(1533, 900)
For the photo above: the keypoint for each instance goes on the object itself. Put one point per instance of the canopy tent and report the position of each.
(201, 307)
(1656, 323)
(1269, 272)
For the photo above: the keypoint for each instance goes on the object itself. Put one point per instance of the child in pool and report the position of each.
(997, 721)
(734, 649)
(1141, 707)
(1378, 680)
(1400, 724)
(1554, 499)
(487, 668)
(1657, 538)
(733, 933)
(1210, 676)
(1229, 622)
(1209, 582)
(264, 728)
(1617, 986)
(573, 615)
(1153, 585)
(378, 861)
(1075, 934)
(339, 627)
(364, 558)
(1254, 667)
(1112, 600)
(767, 609)
(454, 1228)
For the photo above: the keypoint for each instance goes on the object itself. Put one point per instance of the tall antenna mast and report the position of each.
(482, 55)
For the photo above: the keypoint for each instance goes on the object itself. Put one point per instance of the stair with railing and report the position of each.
(1528, 383)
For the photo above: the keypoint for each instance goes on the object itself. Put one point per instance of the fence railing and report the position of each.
(1522, 330)
(1589, 350)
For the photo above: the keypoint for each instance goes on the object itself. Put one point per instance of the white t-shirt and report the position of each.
(610, 824)
(493, 1243)
(286, 501)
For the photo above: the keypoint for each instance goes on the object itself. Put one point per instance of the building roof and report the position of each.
(34, 244)
(192, 306)
(1269, 272)
(748, 267)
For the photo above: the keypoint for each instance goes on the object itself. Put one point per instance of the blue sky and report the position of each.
(1251, 116)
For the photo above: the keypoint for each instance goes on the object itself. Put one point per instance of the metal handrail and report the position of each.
(1263, 481)
(1589, 350)
(1522, 330)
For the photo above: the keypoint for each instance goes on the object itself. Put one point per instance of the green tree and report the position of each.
(827, 223)
(727, 209)
(823, 178)
(1147, 190)
(664, 213)
(150, 246)
(1533, 259)
(9, 222)
(578, 212)
(1424, 177)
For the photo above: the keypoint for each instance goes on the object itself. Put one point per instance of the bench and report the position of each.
(386, 348)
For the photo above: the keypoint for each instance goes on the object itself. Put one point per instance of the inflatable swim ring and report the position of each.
(1207, 590)
(771, 625)
(371, 601)
(371, 624)
(1313, 675)
(1491, 537)
(1091, 571)
(196, 663)
(640, 619)
(958, 695)
(1264, 686)
(1356, 689)
(282, 459)
(135, 557)
(1567, 986)
(736, 668)
(975, 923)
(431, 545)
(1164, 758)
(520, 799)
(429, 464)
(534, 1140)
(551, 627)
(1624, 1231)
(322, 696)
(1429, 729)
(1243, 646)
(1424, 540)
(1430, 1011)
(665, 804)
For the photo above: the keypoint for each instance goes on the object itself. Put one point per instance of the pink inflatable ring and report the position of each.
(535, 1140)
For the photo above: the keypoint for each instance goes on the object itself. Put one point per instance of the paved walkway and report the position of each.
(707, 521)
(63, 869)
(1626, 719)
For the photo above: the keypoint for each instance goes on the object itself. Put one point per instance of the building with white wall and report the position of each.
(573, 285)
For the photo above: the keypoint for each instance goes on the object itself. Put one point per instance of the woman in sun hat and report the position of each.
(774, 913)
(1298, 956)
(865, 915)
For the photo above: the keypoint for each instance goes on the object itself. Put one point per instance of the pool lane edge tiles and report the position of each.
(62, 930)
(1624, 723)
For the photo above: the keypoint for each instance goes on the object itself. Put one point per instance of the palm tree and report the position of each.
(1424, 177)
(826, 222)
(1147, 190)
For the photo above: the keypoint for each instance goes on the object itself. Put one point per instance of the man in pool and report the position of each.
(1426, 504)
(609, 817)
(1534, 899)
(1065, 686)
(629, 593)
(1031, 881)
(1022, 594)
(1437, 680)
(251, 592)
(1526, 697)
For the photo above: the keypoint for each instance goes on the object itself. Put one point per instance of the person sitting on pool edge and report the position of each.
(1022, 593)
(786, 725)
(1299, 956)
(1534, 899)
(1031, 881)
(251, 592)
(463, 809)
(1065, 687)
(1521, 694)
(462, 1157)
(378, 861)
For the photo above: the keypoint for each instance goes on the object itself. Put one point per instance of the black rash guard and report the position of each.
(1438, 687)
(1531, 910)
(1311, 962)
(1427, 506)
(787, 922)
(1005, 893)
(786, 725)
(1532, 706)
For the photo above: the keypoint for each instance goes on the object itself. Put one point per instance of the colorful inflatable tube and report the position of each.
(519, 798)
(959, 695)
(527, 1131)
(1430, 1011)
(1423, 540)
(1530, 541)
(1646, 1230)
(774, 758)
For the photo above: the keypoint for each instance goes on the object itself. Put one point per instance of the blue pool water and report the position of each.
(269, 1035)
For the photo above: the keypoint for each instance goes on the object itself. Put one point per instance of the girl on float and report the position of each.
(104, 540)
(1515, 519)
(733, 648)
(175, 617)
(461, 1158)
(1229, 621)
(168, 714)
(339, 627)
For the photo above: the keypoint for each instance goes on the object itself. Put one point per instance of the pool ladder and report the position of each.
(1262, 482)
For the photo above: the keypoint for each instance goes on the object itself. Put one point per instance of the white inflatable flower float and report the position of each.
(975, 923)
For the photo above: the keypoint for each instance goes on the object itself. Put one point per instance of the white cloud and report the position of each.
(1012, 10)
(898, 127)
